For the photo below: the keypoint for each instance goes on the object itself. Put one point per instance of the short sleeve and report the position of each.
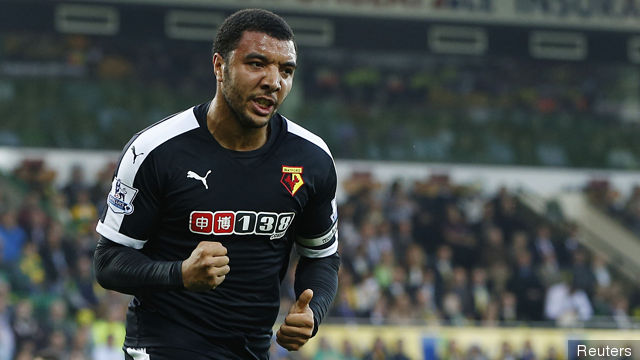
(317, 229)
(132, 202)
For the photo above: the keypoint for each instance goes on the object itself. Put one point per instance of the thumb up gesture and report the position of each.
(298, 325)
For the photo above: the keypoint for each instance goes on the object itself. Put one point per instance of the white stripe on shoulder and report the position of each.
(137, 152)
(308, 135)
(150, 139)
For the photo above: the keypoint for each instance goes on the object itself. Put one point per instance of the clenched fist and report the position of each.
(206, 267)
(298, 325)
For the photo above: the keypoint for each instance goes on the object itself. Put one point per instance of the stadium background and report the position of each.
(487, 153)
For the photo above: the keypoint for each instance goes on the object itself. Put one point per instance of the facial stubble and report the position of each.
(235, 101)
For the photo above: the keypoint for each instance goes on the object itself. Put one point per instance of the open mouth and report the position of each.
(263, 106)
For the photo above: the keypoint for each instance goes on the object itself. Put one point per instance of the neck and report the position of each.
(225, 127)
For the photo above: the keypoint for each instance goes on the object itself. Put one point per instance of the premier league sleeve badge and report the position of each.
(120, 199)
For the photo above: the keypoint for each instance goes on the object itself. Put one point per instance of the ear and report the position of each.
(218, 66)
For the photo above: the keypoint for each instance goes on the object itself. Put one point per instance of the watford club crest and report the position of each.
(292, 178)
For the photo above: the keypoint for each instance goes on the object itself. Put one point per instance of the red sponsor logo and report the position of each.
(223, 222)
(241, 223)
(201, 222)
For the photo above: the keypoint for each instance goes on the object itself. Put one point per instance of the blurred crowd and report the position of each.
(427, 252)
(401, 106)
(623, 207)
(395, 350)
(50, 305)
(434, 251)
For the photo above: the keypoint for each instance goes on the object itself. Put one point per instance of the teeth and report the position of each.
(263, 102)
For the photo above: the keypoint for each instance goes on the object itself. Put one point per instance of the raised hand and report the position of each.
(298, 325)
(206, 267)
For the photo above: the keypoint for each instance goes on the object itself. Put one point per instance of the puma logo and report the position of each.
(135, 156)
(192, 175)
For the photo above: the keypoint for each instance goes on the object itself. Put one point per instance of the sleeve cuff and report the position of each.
(119, 238)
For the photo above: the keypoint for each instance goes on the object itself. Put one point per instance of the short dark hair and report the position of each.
(259, 20)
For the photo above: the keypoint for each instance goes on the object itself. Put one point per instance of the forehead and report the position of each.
(261, 43)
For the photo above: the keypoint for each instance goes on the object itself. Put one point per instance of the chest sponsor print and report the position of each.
(274, 225)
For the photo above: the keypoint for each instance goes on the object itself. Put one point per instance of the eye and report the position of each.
(288, 71)
(256, 64)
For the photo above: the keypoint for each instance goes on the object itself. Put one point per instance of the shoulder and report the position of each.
(164, 130)
(312, 140)
(143, 143)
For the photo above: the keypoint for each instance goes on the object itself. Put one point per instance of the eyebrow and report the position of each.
(261, 57)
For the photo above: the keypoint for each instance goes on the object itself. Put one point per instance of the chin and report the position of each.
(254, 121)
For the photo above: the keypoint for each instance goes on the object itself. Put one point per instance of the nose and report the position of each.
(271, 81)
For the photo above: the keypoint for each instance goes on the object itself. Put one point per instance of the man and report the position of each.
(205, 207)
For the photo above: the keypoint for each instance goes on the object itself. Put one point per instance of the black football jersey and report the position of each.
(176, 186)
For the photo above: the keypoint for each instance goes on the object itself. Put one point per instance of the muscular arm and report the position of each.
(129, 271)
(321, 276)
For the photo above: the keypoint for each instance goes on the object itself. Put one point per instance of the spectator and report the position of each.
(399, 354)
(552, 354)
(325, 351)
(527, 288)
(527, 351)
(108, 350)
(480, 292)
(61, 210)
(12, 237)
(402, 310)
(112, 327)
(426, 298)
(81, 347)
(56, 348)
(493, 248)
(543, 244)
(443, 264)
(452, 351)
(384, 270)
(475, 353)
(36, 226)
(600, 269)
(508, 308)
(460, 287)
(416, 263)
(55, 258)
(26, 351)
(583, 277)
(25, 326)
(32, 270)
(460, 237)
(7, 338)
(75, 186)
(58, 320)
(378, 351)
(567, 305)
(348, 352)
(80, 289)
(83, 212)
(452, 309)
(506, 352)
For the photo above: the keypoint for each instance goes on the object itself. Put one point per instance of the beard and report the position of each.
(236, 103)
